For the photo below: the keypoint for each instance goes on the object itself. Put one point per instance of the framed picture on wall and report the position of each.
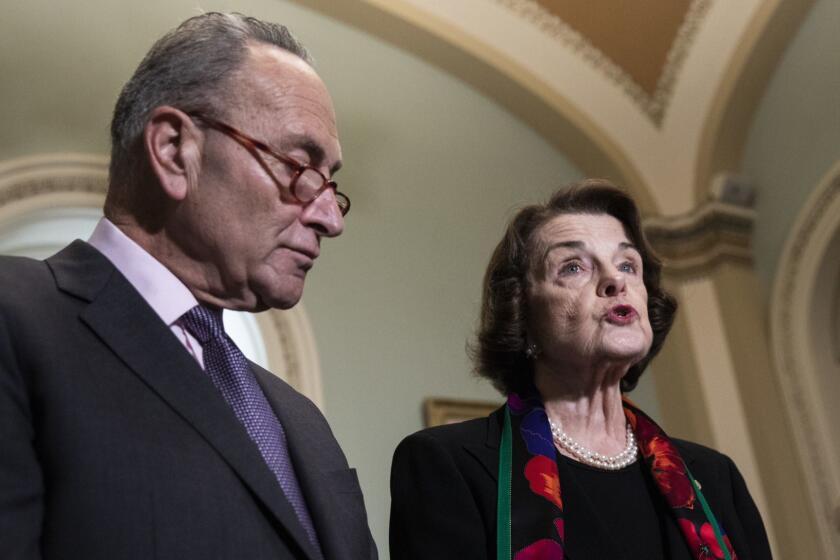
(439, 410)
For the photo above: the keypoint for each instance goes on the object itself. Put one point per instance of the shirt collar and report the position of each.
(161, 289)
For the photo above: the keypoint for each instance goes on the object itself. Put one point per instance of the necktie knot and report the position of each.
(203, 323)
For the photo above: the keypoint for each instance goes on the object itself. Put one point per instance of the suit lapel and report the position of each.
(133, 331)
(322, 473)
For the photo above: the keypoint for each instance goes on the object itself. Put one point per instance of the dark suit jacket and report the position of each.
(443, 498)
(114, 444)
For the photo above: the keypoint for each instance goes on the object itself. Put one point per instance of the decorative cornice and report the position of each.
(692, 245)
(654, 106)
(49, 185)
(30, 177)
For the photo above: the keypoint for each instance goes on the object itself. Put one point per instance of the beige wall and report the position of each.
(795, 137)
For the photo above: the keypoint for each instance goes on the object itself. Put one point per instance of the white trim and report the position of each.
(805, 366)
(701, 309)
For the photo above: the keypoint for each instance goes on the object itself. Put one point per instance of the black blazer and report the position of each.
(443, 498)
(115, 444)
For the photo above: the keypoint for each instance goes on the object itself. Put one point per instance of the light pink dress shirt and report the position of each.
(161, 289)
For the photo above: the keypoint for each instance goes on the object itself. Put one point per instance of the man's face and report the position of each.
(256, 242)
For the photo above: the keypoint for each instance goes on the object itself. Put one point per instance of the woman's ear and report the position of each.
(172, 142)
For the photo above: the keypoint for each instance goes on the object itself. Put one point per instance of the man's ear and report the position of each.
(172, 142)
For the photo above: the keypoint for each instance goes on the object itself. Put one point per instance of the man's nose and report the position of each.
(324, 215)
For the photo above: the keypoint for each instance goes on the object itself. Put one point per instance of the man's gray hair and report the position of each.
(187, 68)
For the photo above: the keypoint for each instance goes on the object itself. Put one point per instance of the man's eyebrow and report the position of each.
(311, 147)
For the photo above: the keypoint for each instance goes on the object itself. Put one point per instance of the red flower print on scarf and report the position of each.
(543, 479)
(665, 461)
(704, 545)
(543, 549)
(560, 525)
(669, 472)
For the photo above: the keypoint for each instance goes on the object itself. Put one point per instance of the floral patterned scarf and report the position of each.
(534, 528)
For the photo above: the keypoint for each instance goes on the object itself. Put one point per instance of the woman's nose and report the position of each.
(611, 284)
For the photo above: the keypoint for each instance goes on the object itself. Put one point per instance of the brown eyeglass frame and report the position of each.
(255, 146)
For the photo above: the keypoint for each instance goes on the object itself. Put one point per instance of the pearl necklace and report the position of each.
(591, 458)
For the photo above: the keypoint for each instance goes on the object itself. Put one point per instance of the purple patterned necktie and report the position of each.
(229, 370)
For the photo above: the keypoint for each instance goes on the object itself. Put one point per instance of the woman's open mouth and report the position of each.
(621, 315)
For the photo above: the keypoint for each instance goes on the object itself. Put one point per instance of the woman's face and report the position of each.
(587, 303)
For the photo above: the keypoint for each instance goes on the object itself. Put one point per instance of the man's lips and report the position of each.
(305, 257)
(622, 315)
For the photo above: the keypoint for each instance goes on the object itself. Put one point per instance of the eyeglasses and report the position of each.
(307, 182)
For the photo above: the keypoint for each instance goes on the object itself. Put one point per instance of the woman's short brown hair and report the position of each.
(499, 349)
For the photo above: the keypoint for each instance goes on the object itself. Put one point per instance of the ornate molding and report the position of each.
(31, 184)
(295, 355)
(27, 178)
(807, 258)
(691, 245)
(654, 106)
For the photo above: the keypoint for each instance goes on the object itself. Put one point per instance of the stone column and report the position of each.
(715, 377)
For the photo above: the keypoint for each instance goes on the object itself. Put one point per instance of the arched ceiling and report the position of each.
(657, 94)
(639, 53)
(643, 55)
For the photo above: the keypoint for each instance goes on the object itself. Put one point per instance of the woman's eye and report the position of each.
(571, 268)
(628, 267)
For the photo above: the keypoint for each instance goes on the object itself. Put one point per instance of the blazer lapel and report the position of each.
(322, 472)
(133, 331)
(488, 453)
